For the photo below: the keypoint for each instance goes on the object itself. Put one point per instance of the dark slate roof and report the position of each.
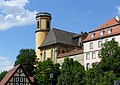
(55, 36)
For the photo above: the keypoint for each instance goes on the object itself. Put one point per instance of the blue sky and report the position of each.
(17, 21)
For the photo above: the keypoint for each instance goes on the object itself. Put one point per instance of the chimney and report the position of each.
(117, 18)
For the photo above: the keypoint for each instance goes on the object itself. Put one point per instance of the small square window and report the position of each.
(91, 45)
(99, 44)
(87, 56)
(106, 40)
(93, 55)
(101, 32)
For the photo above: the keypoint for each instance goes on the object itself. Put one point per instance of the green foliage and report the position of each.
(43, 71)
(2, 74)
(72, 73)
(26, 58)
(108, 69)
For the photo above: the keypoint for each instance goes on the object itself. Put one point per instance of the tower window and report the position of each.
(38, 25)
(48, 24)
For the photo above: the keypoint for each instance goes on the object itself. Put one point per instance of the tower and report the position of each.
(43, 20)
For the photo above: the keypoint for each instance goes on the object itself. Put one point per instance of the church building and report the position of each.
(50, 43)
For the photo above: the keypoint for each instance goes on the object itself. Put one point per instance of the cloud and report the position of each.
(14, 14)
(118, 9)
(5, 64)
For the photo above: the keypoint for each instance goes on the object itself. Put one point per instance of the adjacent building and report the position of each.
(93, 42)
(17, 76)
(76, 54)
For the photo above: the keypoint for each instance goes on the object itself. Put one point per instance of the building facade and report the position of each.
(76, 54)
(93, 42)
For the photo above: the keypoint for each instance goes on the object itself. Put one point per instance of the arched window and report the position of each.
(52, 55)
(44, 56)
(38, 24)
(48, 24)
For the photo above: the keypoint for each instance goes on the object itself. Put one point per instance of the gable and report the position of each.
(16, 76)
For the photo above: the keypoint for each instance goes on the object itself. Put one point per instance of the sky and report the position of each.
(18, 23)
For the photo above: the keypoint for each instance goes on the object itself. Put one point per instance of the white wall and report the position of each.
(95, 49)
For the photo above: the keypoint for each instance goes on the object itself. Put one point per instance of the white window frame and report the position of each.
(91, 45)
(106, 40)
(87, 56)
(99, 44)
(93, 55)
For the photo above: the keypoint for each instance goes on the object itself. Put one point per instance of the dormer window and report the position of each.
(101, 32)
(92, 35)
(109, 30)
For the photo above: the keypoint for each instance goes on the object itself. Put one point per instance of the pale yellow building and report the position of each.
(52, 42)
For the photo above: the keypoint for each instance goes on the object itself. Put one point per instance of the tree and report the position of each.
(72, 73)
(26, 58)
(2, 75)
(108, 69)
(43, 71)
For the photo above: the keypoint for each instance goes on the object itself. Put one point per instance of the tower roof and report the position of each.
(42, 14)
(57, 36)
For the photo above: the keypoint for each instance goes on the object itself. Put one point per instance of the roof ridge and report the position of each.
(64, 30)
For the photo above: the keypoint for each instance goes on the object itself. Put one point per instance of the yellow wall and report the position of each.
(40, 36)
(48, 50)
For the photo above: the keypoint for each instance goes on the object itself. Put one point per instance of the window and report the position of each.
(106, 40)
(63, 51)
(87, 56)
(91, 45)
(92, 35)
(44, 56)
(87, 66)
(21, 79)
(101, 32)
(93, 55)
(109, 30)
(99, 44)
(17, 79)
(51, 54)
(48, 24)
(38, 24)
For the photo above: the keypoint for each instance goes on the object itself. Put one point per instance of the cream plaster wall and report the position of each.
(78, 57)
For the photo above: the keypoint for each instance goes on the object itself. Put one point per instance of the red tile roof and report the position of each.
(8, 75)
(74, 52)
(113, 23)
